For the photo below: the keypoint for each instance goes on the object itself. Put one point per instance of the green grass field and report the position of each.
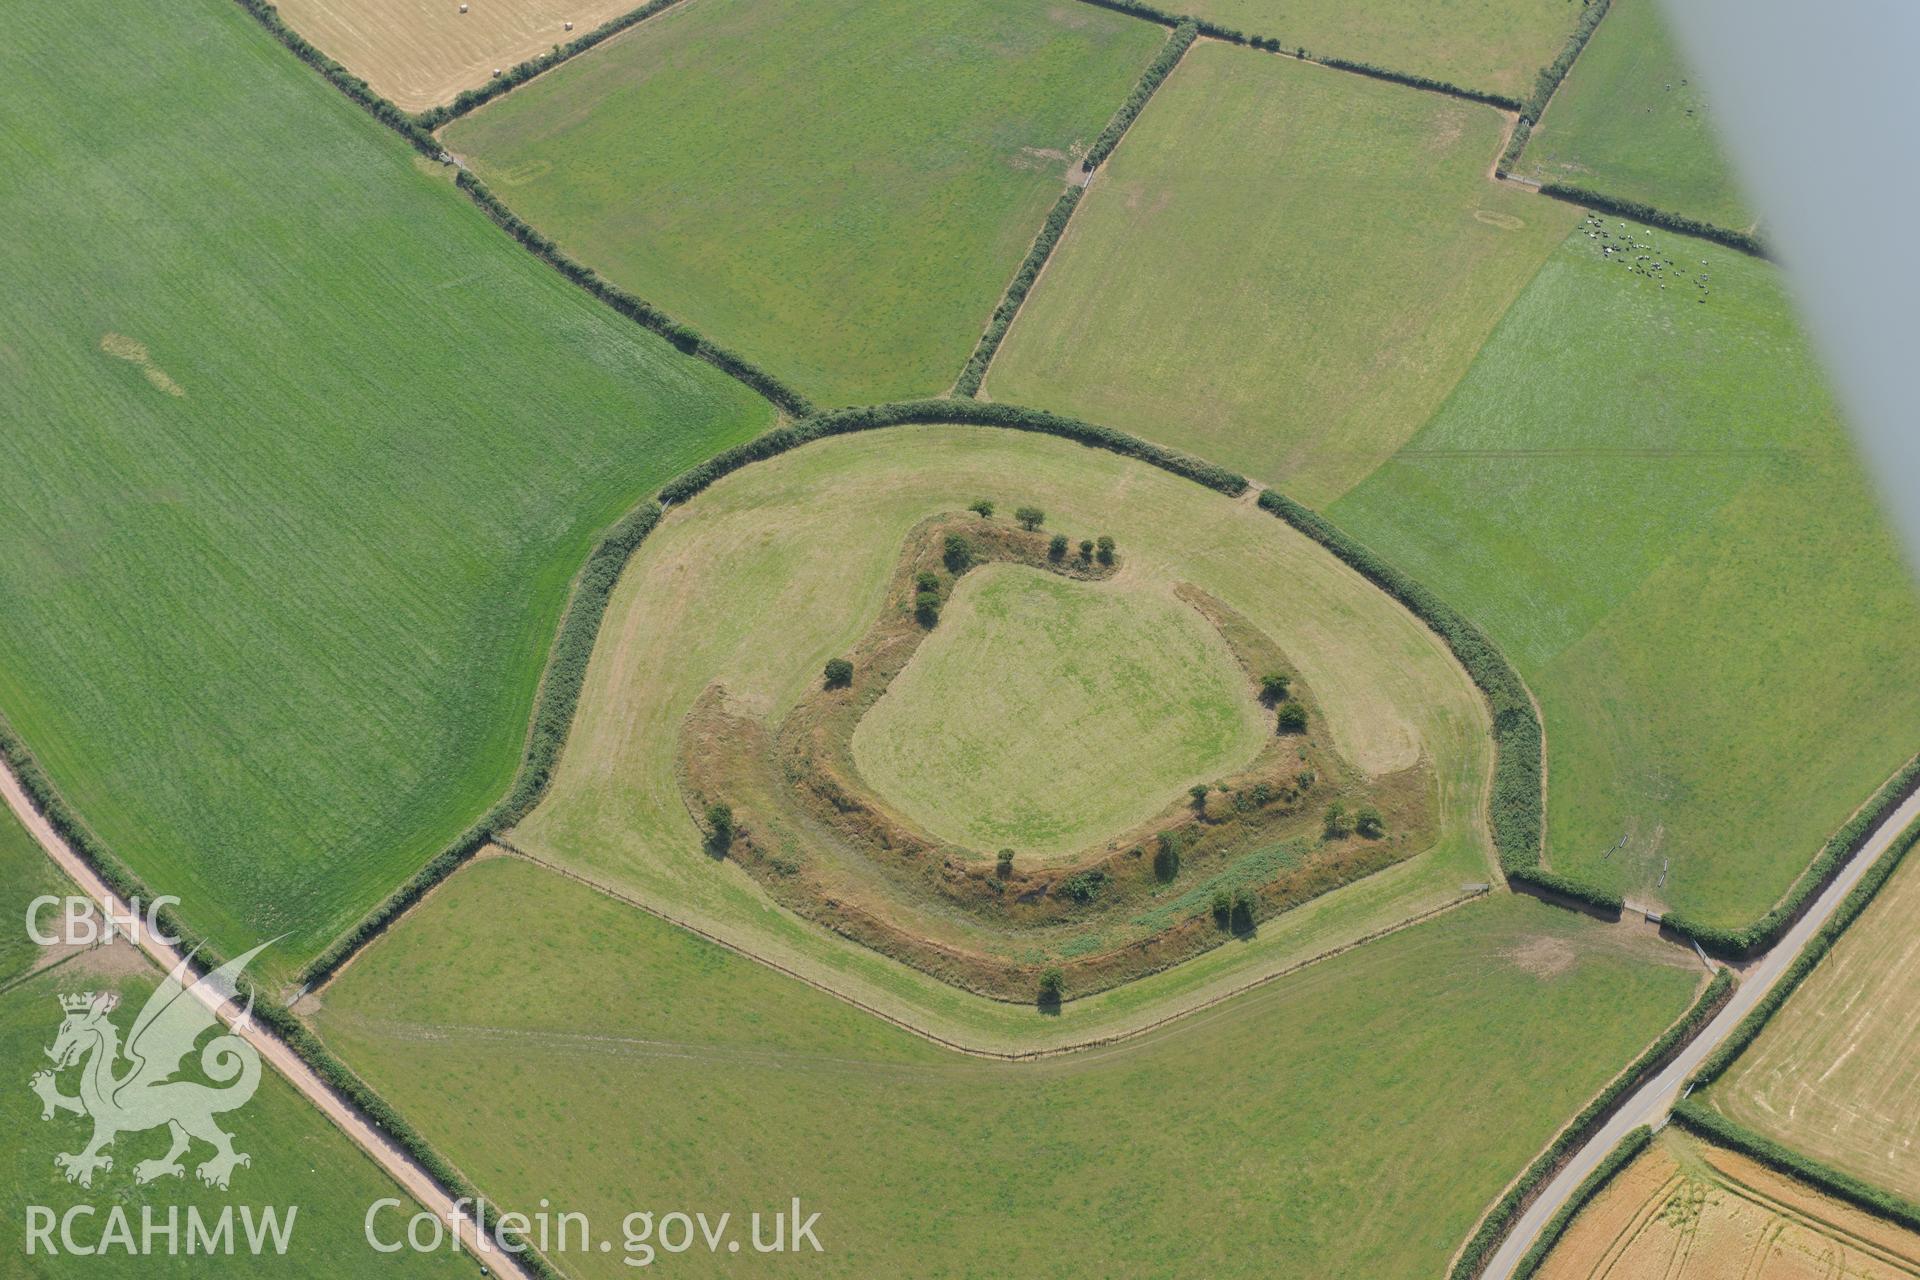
(838, 189)
(1495, 46)
(299, 1160)
(1647, 500)
(1835, 1072)
(1354, 1120)
(1044, 713)
(25, 874)
(308, 452)
(1630, 120)
(778, 567)
(1311, 257)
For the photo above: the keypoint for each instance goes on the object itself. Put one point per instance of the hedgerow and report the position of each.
(1517, 806)
(203, 958)
(1744, 241)
(1735, 1136)
(976, 413)
(1619, 1158)
(1146, 11)
(554, 704)
(681, 335)
(1809, 958)
(468, 99)
(1507, 1209)
(342, 79)
(1841, 846)
(983, 352)
(1157, 71)
(1545, 84)
(641, 312)
(1429, 83)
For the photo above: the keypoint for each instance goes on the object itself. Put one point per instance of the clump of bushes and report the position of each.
(1222, 907)
(1199, 793)
(926, 580)
(957, 555)
(1292, 718)
(1084, 886)
(1057, 548)
(1166, 855)
(1003, 864)
(1052, 985)
(926, 609)
(1369, 823)
(1030, 518)
(1106, 549)
(1273, 687)
(1086, 551)
(720, 828)
(1245, 909)
(838, 673)
(1338, 822)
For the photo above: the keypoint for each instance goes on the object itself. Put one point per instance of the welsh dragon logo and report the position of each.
(143, 1093)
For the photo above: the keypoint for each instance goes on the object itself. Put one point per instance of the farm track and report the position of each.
(1650, 1103)
(345, 1116)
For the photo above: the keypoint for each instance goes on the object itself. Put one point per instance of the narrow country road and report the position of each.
(1650, 1103)
(400, 1166)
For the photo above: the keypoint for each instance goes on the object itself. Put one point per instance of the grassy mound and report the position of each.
(315, 453)
(1042, 713)
(839, 187)
(1311, 260)
(755, 583)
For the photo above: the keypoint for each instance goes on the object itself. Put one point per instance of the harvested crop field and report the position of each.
(1312, 259)
(1835, 1072)
(1686, 1210)
(757, 582)
(838, 188)
(421, 53)
(1351, 1121)
(316, 452)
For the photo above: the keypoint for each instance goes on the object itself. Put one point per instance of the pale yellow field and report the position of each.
(1837, 1071)
(420, 53)
(1688, 1211)
(778, 567)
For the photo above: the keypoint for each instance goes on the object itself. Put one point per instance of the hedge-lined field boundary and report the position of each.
(968, 384)
(645, 314)
(1744, 241)
(1756, 937)
(1150, 80)
(1807, 961)
(975, 372)
(469, 99)
(1273, 44)
(681, 335)
(203, 958)
(1619, 1158)
(1518, 809)
(1822, 1177)
(1507, 1209)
